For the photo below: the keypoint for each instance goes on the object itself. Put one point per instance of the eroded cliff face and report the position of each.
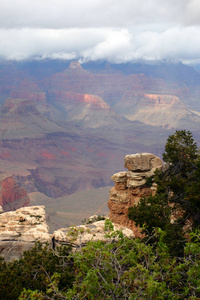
(64, 97)
(167, 111)
(12, 196)
(130, 187)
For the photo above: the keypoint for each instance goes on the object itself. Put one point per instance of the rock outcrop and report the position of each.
(20, 229)
(12, 196)
(130, 187)
(80, 235)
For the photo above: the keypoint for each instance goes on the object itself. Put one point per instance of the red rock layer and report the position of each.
(96, 102)
(12, 196)
(119, 209)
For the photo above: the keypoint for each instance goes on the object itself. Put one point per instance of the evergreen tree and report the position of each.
(176, 204)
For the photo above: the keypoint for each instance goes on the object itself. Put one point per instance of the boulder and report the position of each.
(135, 179)
(120, 180)
(142, 162)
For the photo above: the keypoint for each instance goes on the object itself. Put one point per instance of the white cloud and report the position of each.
(100, 29)
(95, 13)
(115, 47)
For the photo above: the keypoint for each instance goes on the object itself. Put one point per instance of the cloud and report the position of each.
(100, 29)
(96, 13)
(116, 47)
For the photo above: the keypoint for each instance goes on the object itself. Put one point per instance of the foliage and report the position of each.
(120, 268)
(130, 269)
(34, 271)
(180, 147)
(177, 201)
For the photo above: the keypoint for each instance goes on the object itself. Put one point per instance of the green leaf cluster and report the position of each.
(34, 270)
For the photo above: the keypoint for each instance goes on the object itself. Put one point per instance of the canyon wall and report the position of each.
(12, 196)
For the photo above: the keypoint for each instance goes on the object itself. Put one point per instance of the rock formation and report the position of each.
(20, 229)
(64, 97)
(12, 196)
(80, 235)
(155, 109)
(130, 187)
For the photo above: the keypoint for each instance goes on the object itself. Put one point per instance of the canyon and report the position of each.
(64, 127)
(20, 229)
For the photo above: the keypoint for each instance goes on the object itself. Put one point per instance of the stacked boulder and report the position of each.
(131, 186)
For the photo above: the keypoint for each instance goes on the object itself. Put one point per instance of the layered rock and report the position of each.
(65, 97)
(75, 69)
(30, 96)
(12, 196)
(155, 109)
(19, 230)
(130, 187)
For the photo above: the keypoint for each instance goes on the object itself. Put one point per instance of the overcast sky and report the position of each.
(115, 30)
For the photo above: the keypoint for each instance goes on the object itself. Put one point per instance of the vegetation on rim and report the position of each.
(165, 264)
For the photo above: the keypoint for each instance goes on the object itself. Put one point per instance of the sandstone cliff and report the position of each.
(95, 102)
(19, 230)
(156, 109)
(130, 187)
(12, 196)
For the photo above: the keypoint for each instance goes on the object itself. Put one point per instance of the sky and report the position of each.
(113, 30)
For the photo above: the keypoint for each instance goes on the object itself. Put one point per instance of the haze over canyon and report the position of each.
(66, 127)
